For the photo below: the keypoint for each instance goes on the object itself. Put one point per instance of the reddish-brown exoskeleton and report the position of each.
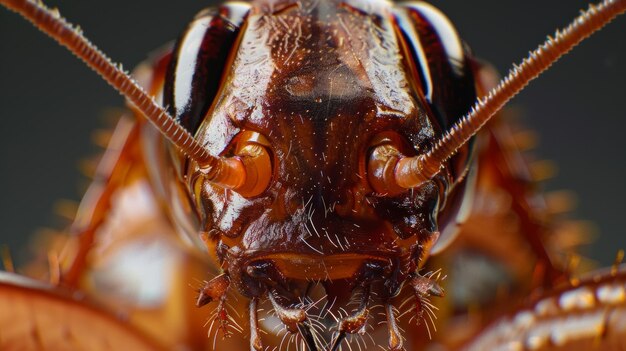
(320, 152)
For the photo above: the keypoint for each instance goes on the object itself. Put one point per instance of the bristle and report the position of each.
(111, 116)
(543, 170)
(101, 137)
(7, 261)
(568, 235)
(573, 263)
(88, 166)
(55, 268)
(66, 209)
(524, 140)
(559, 202)
(619, 257)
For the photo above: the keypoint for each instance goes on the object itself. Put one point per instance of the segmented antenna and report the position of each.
(50, 22)
(412, 171)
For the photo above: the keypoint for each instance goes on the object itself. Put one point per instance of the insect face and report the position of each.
(298, 82)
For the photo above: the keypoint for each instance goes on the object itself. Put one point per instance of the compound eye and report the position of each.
(385, 152)
(198, 62)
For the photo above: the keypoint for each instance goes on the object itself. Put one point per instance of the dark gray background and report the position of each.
(50, 103)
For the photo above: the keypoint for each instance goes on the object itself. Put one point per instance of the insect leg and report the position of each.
(588, 315)
(95, 205)
(506, 246)
(512, 174)
(39, 316)
(509, 222)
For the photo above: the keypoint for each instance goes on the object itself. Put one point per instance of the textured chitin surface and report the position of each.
(320, 80)
(31, 320)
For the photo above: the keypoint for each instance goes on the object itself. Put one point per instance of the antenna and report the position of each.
(410, 172)
(230, 173)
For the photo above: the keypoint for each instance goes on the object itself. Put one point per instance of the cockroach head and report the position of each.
(316, 120)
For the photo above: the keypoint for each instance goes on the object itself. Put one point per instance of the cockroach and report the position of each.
(595, 61)
(326, 154)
